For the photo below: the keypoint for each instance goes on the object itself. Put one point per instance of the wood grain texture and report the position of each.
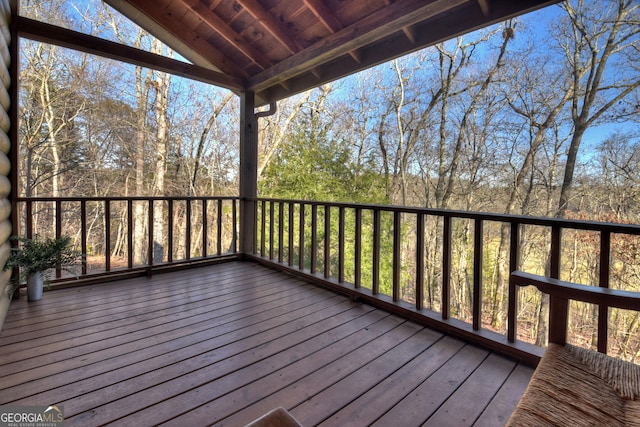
(223, 345)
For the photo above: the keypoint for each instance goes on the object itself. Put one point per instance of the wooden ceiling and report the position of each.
(277, 48)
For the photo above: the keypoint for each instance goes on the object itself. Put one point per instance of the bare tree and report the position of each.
(599, 35)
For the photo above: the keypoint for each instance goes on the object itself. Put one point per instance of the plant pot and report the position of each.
(34, 286)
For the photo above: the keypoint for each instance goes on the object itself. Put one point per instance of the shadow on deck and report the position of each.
(222, 345)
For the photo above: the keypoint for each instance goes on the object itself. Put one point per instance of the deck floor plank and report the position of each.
(222, 345)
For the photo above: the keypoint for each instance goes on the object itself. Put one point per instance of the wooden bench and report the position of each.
(571, 385)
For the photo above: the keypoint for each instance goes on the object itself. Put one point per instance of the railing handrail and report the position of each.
(121, 198)
(578, 224)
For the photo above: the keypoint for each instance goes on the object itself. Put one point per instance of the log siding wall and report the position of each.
(5, 149)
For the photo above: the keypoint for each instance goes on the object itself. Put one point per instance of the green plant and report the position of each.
(41, 255)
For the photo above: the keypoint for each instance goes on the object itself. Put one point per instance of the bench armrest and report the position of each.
(561, 292)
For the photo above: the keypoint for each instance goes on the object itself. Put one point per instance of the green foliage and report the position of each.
(317, 167)
(38, 254)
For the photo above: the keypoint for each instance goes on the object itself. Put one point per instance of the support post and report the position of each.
(248, 172)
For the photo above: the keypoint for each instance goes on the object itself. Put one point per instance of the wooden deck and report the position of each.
(225, 344)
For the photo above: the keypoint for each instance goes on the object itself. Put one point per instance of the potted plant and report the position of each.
(36, 258)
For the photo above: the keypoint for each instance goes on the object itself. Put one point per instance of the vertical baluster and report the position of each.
(419, 261)
(301, 244)
(254, 225)
(314, 237)
(263, 224)
(29, 219)
(58, 218)
(271, 222)
(397, 267)
(603, 310)
(341, 238)
(446, 266)
(188, 230)
(327, 241)
(555, 252)
(375, 287)
(130, 233)
(358, 248)
(219, 229)
(83, 232)
(477, 273)
(234, 220)
(170, 226)
(280, 231)
(291, 233)
(205, 227)
(150, 236)
(558, 307)
(107, 235)
(58, 207)
(514, 252)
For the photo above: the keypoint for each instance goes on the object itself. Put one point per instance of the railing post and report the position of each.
(248, 172)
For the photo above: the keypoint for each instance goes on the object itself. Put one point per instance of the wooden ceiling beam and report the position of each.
(324, 14)
(330, 21)
(410, 32)
(484, 5)
(236, 40)
(170, 30)
(47, 33)
(271, 25)
(402, 13)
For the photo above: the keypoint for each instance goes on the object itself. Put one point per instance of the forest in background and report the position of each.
(536, 116)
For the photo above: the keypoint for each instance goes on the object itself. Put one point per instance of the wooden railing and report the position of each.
(117, 233)
(404, 251)
(447, 269)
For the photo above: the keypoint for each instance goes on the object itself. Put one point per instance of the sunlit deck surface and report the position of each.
(224, 344)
